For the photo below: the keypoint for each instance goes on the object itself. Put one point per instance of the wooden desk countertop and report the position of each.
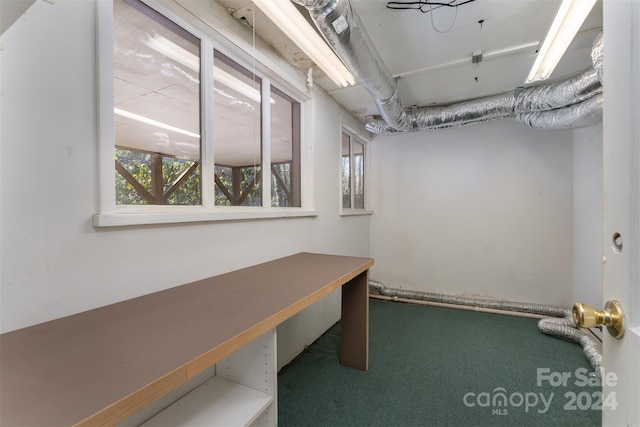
(100, 366)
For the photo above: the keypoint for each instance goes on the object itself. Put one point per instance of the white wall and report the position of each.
(587, 216)
(482, 210)
(10, 10)
(54, 262)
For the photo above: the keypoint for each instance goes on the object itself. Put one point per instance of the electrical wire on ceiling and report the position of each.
(426, 6)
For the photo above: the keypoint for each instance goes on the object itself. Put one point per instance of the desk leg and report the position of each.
(354, 325)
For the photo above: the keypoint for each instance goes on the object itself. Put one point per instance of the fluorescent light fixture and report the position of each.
(285, 15)
(565, 26)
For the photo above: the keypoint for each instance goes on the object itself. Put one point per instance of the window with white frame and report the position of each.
(156, 81)
(159, 70)
(352, 172)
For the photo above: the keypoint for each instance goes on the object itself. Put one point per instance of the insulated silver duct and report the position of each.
(575, 102)
(560, 325)
(597, 51)
(557, 95)
(565, 328)
(567, 115)
(342, 28)
(578, 115)
(456, 115)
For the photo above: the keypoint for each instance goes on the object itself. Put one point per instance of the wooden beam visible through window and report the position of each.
(281, 182)
(157, 184)
(134, 182)
(237, 200)
(151, 198)
(236, 179)
(255, 181)
(178, 182)
(223, 188)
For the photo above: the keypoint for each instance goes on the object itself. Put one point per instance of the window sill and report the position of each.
(151, 218)
(355, 212)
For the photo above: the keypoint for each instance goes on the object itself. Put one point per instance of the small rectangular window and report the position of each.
(352, 172)
(156, 109)
(346, 171)
(191, 124)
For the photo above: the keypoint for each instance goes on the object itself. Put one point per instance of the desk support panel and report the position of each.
(354, 326)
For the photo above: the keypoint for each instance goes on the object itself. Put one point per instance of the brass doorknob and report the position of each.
(612, 317)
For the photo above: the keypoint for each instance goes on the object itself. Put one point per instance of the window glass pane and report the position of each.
(180, 184)
(358, 174)
(285, 150)
(226, 192)
(223, 186)
(156, 108)
(237, 134)
(346, 171)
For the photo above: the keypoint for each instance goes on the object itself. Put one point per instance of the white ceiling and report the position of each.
(436, 68)
(432, 68)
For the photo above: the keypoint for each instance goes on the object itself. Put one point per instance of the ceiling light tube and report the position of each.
(286, 17)
(568, 20)
(152, 122)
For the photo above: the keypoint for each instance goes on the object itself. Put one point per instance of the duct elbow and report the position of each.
(379, 127)
(393, 114)
(377, 287)
(574, 102)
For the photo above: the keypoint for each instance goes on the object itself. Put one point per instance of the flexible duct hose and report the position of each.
(560, 325)
(560, 105)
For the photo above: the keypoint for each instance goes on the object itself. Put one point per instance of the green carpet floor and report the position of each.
(432, 366)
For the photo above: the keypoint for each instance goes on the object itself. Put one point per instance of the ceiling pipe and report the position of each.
(571, 91)
(562, 105)
(342, 28)
(572, 103)
(582, 114)
(455, 115)
(597, 55)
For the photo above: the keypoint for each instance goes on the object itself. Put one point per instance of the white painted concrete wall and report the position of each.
(483, 210)
(54, 262)
(587, 216)
(495, 210)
